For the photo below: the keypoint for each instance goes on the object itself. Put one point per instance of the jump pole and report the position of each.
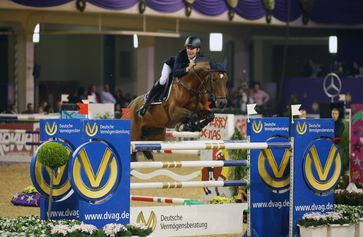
(206, 145)
(181, 164)
(189, 184)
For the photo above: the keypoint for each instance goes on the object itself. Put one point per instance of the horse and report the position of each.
(186, 107)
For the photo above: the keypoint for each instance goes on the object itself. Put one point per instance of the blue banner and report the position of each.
(67, 132)
(100, 172)
(316, 168)
(269, 179)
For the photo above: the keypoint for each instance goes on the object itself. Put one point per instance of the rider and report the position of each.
(179, 66)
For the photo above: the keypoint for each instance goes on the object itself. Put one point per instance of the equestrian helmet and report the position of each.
(192, 42)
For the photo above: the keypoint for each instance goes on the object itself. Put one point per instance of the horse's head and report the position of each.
(214, 80)
(209, 78)
(218, 82)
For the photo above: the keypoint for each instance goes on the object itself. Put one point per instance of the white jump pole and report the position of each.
(180, 164)
(188, 184)
(206, 145)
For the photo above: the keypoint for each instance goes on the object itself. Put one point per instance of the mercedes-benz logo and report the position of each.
(332, 85)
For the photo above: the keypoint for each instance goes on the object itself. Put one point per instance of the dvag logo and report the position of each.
(51, 129)
(274, 168)
(40, 176)
(322, 166)
(151, 221)
(95, 171)
(257, 126)
(301, 128)
(91, 129)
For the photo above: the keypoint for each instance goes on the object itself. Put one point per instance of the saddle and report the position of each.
(164, 95)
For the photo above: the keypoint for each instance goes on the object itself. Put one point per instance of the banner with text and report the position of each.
(191, 220)
(100, 172)
(269, 178)
(67, 132)
(316, 168)
(221, 128)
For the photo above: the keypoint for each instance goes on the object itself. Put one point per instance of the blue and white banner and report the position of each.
(316, 168)
(67, 132)
(100, 172)
(269, 178)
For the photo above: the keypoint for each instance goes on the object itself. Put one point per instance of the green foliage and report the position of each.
(347, 198)
(237, 173)
(221, 200)
(344, 148)
(53, 155)
(139, 230)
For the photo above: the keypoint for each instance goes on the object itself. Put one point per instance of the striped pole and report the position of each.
(183, 134)
(182, 152)
(189, 184)
(161, 199)
(20, 143)
(206, 145)
(18, 131)
(180, 164)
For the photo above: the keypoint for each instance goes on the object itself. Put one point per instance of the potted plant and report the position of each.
(340, 223)
(52, 155)
(313, 224)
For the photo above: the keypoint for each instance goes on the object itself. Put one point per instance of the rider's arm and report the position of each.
(180, 65)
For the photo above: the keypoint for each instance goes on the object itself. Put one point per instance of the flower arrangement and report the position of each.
(33, 226)
(313, 219)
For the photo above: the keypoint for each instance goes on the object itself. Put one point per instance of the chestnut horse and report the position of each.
(186, 107)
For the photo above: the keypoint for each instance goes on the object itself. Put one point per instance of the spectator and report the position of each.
(120, 99)
(93, 95)
(259, 95)
(303, 113)
(40, 109)
(338, 125)
(29, 109)
(354, 71)
(13, 109)
(106, 96)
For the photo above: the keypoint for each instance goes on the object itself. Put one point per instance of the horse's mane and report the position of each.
(202, 64)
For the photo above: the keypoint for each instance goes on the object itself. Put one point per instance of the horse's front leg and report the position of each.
(206, 117)
(186, 119)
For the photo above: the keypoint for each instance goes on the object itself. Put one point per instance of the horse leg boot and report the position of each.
(209, 116)
(154, 92)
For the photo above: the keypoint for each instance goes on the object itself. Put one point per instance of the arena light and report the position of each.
(333, 44)
(36, 36)
(136, 41)
(215, 42)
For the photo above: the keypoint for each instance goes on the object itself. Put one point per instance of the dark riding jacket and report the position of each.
(181, 63)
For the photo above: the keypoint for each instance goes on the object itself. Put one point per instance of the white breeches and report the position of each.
(165, 72)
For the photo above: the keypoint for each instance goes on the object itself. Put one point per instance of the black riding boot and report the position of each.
(154, 92)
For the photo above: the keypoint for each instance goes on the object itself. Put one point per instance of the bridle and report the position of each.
(205, 86)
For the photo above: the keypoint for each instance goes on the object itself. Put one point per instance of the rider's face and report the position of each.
(192, 52)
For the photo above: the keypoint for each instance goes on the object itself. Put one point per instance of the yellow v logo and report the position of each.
(57, 178)
(277, 181)
(323, 184)
(91, 131)
(257, 127)
(151, 221)
(95, 180)
(51, 130)
(301, 129)
(322, 172)
(94, 188)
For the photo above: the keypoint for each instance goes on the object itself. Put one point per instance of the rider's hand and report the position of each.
(191, 65)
